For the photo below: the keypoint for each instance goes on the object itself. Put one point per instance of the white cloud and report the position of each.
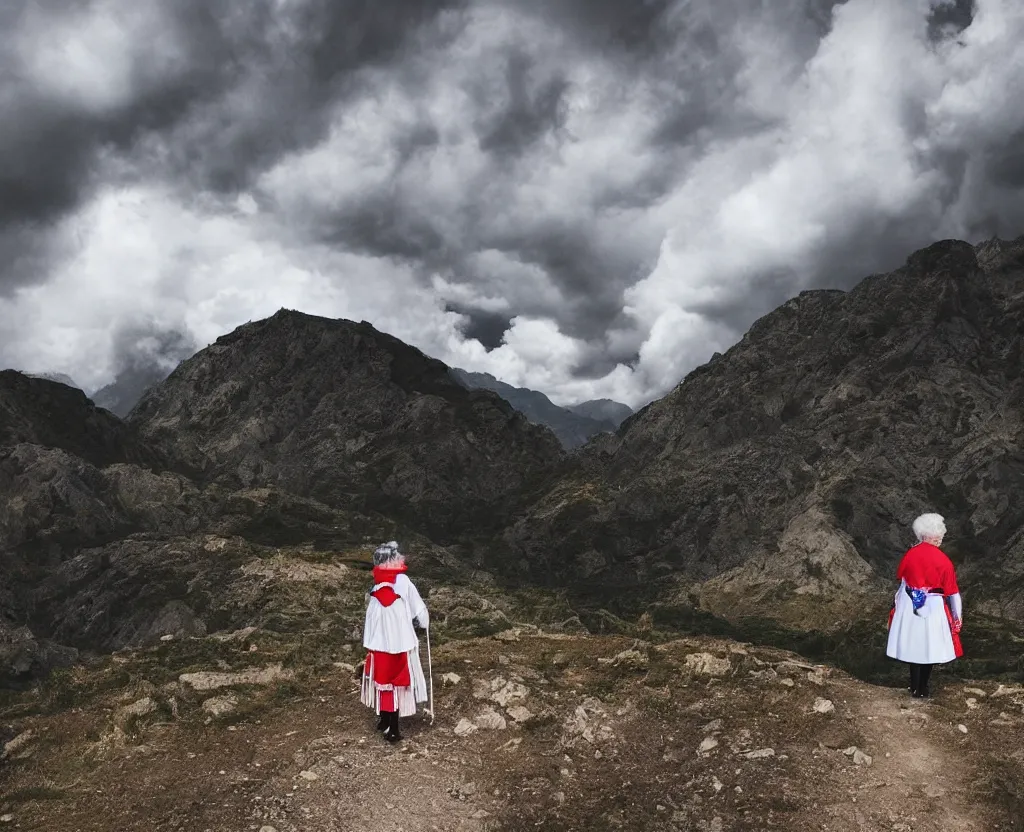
(853, 142)
(96, 57)
(144, 255)
(685, 191)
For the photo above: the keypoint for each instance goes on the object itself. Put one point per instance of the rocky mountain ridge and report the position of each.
(295, 430)
(785, 473)
(53, 415)
(344, 414)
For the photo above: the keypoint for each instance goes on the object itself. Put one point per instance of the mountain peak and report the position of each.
(952, 258)
(996, 254)
(343, 413)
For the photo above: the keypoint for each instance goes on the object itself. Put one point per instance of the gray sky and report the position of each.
(585, 197)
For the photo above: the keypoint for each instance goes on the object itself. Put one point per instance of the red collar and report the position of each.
(387, 574)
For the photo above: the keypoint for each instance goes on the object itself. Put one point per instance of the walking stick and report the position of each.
(430, 675)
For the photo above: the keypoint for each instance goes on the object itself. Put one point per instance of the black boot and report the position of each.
(915, 679)
(385, 719)
(392, 734)
(922, 684)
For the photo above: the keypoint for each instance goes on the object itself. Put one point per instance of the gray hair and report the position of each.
(929, 527)
(386, 553)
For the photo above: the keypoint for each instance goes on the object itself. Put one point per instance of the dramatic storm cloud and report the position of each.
(587, 197)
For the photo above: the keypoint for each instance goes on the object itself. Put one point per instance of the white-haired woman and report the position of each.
(393, 680)
(925, 620)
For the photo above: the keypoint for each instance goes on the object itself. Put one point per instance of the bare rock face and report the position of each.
(342, 413)
(798, 460)
(24, 657)
(132, 592)
(40, 412)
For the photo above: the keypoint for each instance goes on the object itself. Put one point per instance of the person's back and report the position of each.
(925, 566)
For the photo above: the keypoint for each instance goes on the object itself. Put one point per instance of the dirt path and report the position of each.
(919, 775)
(349, 779)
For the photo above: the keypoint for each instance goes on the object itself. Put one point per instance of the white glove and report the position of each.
(423, 619)
(956, 606)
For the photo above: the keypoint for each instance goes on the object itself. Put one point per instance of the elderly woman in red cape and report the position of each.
(926, 616)
(393, 680)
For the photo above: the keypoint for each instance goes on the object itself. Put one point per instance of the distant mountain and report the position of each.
(603, 410)
(124, 392)
(145, 356)
(60, 378)
(573, 429)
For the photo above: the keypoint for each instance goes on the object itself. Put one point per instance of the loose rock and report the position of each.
(208, 680)
(859, 757)
(760, 754)
(706, 664)
(464, 728)
(707, 744)
(220, 705)
(17, 748)
(490, 720)
(632, 659)
(520, 714)
(137, 710)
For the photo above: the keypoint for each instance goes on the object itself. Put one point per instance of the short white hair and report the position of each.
(387, 554)
(930, 527)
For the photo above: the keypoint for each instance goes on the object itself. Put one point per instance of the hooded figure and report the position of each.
(925, 619)
(393, 679)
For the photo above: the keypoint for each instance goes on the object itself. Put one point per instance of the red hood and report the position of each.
(387, 574)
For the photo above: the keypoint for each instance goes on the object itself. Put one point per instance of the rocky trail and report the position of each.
(533, 731)
(921, 774)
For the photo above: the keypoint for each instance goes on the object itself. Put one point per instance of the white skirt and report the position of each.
(405, 697)
(921, 637)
